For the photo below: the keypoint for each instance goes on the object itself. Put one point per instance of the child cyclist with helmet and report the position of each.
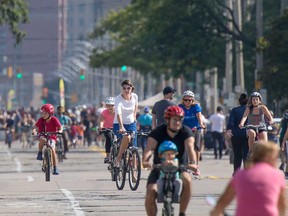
(167, 152)
(48, 123)
(255, 115)
(106, 121)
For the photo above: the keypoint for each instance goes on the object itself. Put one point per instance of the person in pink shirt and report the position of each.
(106, 121)
(259, 189)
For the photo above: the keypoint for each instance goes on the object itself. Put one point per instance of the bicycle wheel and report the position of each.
(59, 151)
(113, 155)
(121, 174)
(134, 169)
(168, 209)
(47, 162)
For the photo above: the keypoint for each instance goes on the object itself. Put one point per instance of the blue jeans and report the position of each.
(128, 127)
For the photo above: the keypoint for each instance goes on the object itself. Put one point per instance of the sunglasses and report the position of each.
(127, 88)
(187, 100)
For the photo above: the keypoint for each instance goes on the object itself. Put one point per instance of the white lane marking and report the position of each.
(74, 204)
(18, 165)
(8, 153)
(30, 178)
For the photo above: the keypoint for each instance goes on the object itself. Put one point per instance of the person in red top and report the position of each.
(106, 121)
(48, 123)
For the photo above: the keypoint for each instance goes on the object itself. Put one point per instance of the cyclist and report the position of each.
(255, 113)
(144, 123)
(106, 121)
(260, 189)
(167, 152)
(65, 121)
(126, 106)
(48, 123)
(182, 136)
(193, 119)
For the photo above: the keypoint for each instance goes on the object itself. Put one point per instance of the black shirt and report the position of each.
(160, 135)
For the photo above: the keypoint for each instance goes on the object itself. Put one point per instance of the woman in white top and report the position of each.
(126, 106)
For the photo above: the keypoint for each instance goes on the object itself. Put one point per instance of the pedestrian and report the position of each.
(194, 120)
(160, 106)
(259, 189)
(182, 136)
(126, 107)
(255, 114)
(106, 121)
(217, 121)
(282, 140)
(144, 123)
(238, 136)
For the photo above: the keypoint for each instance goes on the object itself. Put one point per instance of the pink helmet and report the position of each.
(48, 108)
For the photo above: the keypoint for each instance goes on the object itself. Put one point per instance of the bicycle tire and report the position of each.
(113, 155)
(168, 209)
(121, 174)
(47, 162)
(134, 156)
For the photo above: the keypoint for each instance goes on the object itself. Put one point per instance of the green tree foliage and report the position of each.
(13, 13)
(170, 37)
(275, 74)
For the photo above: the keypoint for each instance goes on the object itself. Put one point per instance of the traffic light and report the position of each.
(19, 74)
(82, 74)
(123, 68)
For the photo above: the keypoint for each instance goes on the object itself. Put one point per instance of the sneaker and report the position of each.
(55, 171)
(39, 156)
(106, 160)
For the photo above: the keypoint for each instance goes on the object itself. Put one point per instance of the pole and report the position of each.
(259, 34)
(229, 54)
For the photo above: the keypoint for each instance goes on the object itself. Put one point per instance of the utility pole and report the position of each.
(239, 49)
(259, 34)
(228, 53)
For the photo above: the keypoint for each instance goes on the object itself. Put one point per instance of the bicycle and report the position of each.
(141, 135)
(47, 164)
(171, 189)
(59, 149)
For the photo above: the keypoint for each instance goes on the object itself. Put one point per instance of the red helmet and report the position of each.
(48, 108)
(173, 111)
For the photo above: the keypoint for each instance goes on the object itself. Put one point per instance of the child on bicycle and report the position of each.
(167, 152)
(255, 115)
(106, 121)
(48, 123)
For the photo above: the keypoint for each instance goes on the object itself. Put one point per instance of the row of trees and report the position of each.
(177, 38)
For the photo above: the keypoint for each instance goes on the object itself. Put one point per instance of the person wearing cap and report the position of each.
(160, 106)
(144, 123)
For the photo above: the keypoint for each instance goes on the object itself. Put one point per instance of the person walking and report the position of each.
(282, 140)
(160, 106)
(217, 121)
(259, 189)
(238, 136)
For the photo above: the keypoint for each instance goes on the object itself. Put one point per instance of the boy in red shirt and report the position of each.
(48, 123)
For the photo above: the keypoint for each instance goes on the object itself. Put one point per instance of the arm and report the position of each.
(151, 145)
(244, 117)
(282, 203)
(267, 113)
(200, 120)
(189, 148)
(135, 111)
(223, 201)
(101, 122)
(153, 121)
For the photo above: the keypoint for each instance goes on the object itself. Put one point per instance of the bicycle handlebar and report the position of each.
(169, 168)
(47, 134)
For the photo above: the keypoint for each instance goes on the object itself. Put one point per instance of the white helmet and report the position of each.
(256, 94)
(110, 101)
(188, 93)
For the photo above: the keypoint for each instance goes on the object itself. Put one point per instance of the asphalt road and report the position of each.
(84, 186)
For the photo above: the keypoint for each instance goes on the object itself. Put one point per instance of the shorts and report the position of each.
(198, 137)
(51, 142)
(260, 129)
(128, 127)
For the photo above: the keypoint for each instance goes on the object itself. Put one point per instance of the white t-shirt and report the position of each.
(125, 108)
(217, 122)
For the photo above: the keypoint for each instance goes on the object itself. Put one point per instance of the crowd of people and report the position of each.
(180, 128)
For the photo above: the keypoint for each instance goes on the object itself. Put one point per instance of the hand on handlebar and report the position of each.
(192, 167)
(241, 126)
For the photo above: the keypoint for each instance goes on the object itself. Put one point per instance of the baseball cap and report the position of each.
(168, 90)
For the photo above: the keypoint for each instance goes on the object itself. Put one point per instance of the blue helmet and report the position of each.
(167, 146)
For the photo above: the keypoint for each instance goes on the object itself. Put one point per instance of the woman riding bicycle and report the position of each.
(126, 106)
(255, 114)
(48, 123)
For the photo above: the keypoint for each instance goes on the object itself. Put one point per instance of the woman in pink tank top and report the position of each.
(259, 189)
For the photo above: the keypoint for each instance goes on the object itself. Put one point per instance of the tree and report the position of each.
(167, 36)
(13, 13)
(275, 74)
